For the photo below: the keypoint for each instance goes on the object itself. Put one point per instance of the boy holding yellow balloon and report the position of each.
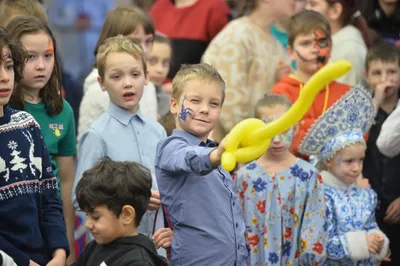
(309, 46)
(197, 193)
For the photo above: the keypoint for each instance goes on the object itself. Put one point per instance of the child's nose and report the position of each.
(88, 224)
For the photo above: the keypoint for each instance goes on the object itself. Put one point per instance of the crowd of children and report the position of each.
(152, 130)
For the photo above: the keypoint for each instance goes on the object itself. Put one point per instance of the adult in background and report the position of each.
(249, 59)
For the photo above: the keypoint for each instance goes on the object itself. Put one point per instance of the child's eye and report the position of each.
(166, 63)
(49, 55)
(150, 41)
(376, 73)
(194, 100)
(30, 57)
(10, 67)
(153, 60)
(215, 104)
(116, 76)
(135, 74)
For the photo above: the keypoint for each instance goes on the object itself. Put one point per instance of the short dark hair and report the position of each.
(115, 184)
(384, 51)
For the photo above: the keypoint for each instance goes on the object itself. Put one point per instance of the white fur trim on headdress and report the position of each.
(343, 124)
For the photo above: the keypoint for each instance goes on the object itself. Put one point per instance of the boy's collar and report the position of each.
(193, 140)
(122, 115)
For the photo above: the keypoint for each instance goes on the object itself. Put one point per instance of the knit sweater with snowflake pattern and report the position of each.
(32, 224)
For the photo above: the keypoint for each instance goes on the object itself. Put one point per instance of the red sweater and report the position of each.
(190, 28)
(291, 88)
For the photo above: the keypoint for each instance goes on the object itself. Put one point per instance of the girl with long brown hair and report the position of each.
(39, 93)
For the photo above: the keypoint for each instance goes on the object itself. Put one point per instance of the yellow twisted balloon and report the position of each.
(253, 136)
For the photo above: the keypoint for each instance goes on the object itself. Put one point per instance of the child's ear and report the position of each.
(173, 104)
(127, 215)
(100, 80)
(328, 164)
(291, 52)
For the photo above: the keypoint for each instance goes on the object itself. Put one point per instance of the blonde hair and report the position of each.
(119, 44)
(192, 72)
(271, 100)
(306, 22)
(14, 8)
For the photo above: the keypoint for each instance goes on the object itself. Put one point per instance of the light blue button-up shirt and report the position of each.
(201, 203)
(123, 137)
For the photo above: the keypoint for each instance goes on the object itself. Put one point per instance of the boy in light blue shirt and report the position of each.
(197, 193)
(123, 133)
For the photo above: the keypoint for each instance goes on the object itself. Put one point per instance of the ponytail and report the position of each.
(361, 24)
(351, 14)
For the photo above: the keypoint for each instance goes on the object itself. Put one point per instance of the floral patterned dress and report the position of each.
(284, 214)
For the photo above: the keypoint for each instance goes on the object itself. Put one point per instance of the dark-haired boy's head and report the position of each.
(383, 67)
(115, 195)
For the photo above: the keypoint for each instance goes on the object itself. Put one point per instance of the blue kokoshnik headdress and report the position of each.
(344, 123)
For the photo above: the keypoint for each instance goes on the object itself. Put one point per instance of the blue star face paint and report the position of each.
(286, 137)
(185, 112)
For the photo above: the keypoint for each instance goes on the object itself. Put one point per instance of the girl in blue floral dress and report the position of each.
(337, 140)
(282, 200)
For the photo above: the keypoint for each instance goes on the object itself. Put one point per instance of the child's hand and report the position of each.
(163, 238)
(215, 155)
(155, 202)
(32, 263)
(375, 243)
(282, 71)
(393, 212)
(59, 258)
(381, 90)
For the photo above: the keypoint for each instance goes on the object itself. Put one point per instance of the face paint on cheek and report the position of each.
(339, 160)
(324, 46)
(185, 112)
(286, 137)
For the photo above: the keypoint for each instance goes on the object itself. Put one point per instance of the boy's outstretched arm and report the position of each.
(178, 156)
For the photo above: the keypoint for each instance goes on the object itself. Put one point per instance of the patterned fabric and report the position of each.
(32, 223)
(342, 124)
(349, 209)
(284, 214)
(247, 59)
